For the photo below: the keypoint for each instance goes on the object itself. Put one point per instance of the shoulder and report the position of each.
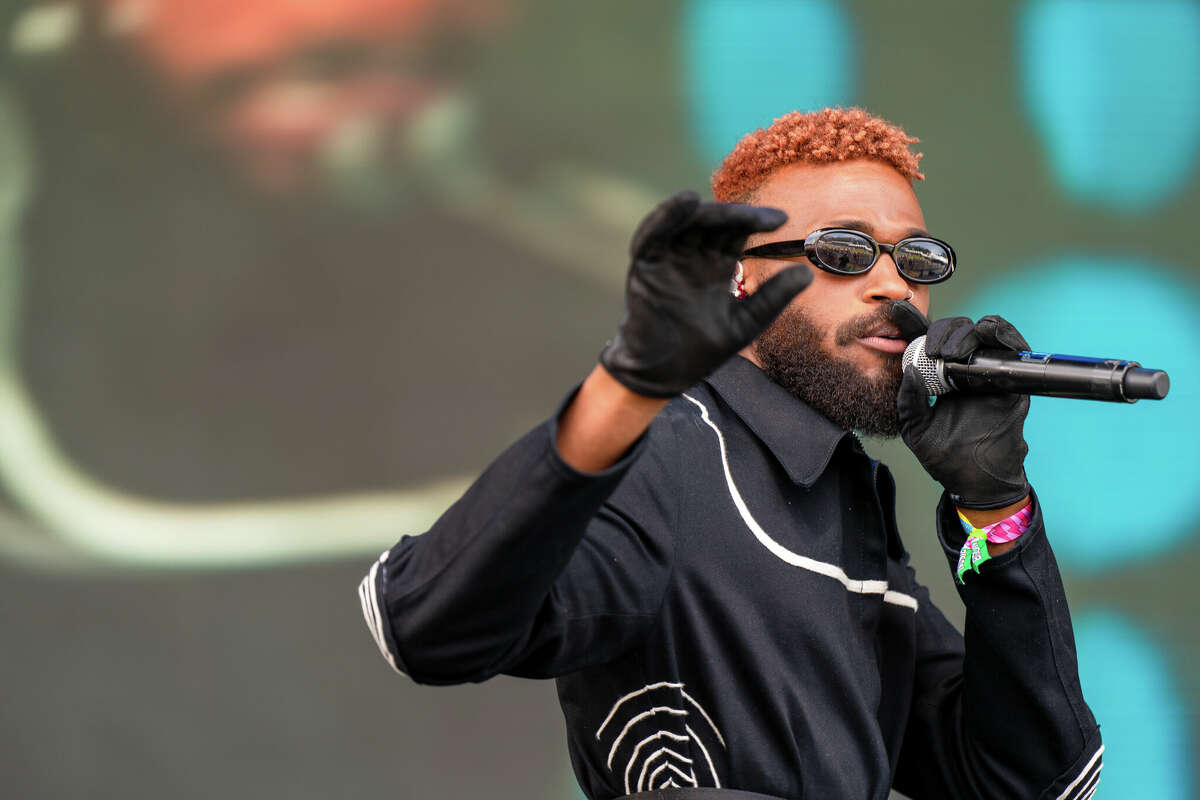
(679, 440)
(690, 422)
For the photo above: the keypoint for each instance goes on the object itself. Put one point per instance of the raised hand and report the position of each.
(681, 322)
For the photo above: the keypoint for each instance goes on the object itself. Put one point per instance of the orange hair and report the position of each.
(818, 137)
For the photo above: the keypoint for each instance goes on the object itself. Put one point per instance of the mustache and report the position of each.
(858, 327)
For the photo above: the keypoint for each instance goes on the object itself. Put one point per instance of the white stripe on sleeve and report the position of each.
(1083, 779)
(368, 597)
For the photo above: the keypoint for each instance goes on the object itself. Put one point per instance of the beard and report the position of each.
(791, 354)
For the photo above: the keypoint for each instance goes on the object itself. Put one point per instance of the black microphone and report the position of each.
(1046, 374)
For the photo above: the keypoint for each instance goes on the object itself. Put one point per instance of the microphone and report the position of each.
(1045, 374)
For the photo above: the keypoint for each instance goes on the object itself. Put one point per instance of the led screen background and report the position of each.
(275, 283)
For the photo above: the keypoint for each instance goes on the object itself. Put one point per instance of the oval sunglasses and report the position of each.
(844, 251)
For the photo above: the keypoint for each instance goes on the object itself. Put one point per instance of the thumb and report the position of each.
(909, 319)
(913, 404)
(762, 307)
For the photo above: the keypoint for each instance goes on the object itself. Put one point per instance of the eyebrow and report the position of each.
(869, 229)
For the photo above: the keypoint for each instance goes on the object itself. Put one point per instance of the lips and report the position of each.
(885, 330)
(885, 338)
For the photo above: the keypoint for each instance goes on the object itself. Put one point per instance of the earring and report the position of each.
(737, 286)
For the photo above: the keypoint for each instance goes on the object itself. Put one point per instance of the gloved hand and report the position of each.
(972, 444)
(681, 322)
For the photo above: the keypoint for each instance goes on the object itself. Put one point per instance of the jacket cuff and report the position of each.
(952, 536)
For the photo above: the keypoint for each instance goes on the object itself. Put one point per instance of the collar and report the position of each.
(803, 440)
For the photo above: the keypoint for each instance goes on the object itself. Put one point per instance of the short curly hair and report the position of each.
(818, 137)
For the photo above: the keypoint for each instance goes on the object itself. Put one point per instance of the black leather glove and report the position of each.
(681, 322)
(972, 444)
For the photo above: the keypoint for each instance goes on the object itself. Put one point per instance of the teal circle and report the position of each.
(1113, 91)
(1117, 482)
(747, 62)
(1131, 690)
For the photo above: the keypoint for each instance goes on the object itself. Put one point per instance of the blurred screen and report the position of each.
(279, 277)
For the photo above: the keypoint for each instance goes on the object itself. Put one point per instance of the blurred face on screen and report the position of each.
(289, 87)
(834, 346)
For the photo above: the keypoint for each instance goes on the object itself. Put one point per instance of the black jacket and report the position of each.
(731, 605)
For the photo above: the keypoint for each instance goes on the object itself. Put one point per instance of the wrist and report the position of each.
(979, 517)
(982, 518)
(603, 421)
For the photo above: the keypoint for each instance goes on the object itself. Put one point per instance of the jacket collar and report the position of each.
(803, 440)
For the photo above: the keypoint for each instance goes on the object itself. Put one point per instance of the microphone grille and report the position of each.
(927, 368)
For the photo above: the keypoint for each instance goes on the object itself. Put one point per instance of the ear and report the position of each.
(754, 274)
(737, 286)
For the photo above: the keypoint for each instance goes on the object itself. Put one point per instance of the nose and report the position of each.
(884, 283)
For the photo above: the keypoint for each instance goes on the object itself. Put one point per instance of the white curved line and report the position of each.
(681, 774)
(368, 597)
(668, 765)
(630, 696)
(670, 752)
(778, 550)
(365, 590)
(704, 750)
(659, 752)
(93, 519)
(645, 766)
(82, 523)
(633, 758)
(652, 774)
(634, 721)
(900, 599)
(1082, 773)
(707, 718)
(1090, 785)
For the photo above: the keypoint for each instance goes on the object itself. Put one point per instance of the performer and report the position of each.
(699, 550)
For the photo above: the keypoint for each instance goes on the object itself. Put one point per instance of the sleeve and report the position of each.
(998, 712)
(538, 570)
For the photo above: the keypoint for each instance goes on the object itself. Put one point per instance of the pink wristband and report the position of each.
(1009, 528)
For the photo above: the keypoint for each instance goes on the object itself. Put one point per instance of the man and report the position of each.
(698, 548)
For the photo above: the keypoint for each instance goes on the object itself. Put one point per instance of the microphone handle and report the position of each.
(1052, 375)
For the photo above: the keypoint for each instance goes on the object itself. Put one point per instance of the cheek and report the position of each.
(818, 309)
(921, 299)
(828, 298)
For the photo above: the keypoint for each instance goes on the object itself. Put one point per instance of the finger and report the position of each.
(912, 402)
(726, 226)
(667, 218)
(909, 319)
(961, 342)
(761, 308)
(952, 339)
(994, 331)
(738, 217)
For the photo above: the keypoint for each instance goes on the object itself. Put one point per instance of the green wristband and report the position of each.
(974, 550)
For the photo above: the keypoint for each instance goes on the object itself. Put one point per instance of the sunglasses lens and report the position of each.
(924, 260)
(845, 252)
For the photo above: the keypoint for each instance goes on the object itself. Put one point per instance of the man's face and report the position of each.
(834, 346)
(296, 90)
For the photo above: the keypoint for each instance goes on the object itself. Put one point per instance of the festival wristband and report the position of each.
(975, 550)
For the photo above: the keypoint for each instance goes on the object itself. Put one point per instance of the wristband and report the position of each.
(975, 550)
(1010, 527)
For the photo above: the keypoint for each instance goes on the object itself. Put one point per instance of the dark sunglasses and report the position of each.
(842, 251)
